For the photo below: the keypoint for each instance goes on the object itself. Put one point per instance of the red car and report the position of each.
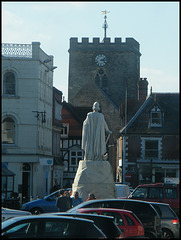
(126, 220)
(159, 192)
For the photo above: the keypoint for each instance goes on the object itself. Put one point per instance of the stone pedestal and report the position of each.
(94, 177)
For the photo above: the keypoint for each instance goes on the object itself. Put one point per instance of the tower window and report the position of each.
(101, 80)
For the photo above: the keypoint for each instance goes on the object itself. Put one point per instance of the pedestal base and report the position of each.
(94, 177)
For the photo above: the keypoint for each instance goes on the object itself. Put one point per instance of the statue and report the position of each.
(93, 135)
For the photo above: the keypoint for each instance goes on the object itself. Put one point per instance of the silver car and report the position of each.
(7, 213)
(170, 224)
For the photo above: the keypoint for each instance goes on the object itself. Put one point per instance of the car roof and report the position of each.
(159, 203)
(42, 216)
(79, 215)
(108, 210)
(112, 199)
(158, 185)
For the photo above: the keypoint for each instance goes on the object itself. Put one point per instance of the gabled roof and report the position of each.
(169, 105)
(79, 113)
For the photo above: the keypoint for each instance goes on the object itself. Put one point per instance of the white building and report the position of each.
(27, 87)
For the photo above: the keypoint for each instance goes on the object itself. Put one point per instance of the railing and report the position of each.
(17, 50)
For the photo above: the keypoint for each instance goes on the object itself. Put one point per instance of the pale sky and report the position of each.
(155, 25)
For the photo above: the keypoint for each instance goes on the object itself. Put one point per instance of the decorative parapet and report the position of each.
(25, 51)
(17, 50)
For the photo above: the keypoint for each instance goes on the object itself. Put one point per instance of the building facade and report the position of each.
(57, 127)
(149, 143)
(27, 82)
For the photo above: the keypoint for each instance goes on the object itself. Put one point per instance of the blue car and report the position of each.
(45, 205)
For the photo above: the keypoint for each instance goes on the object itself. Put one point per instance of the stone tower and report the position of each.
(112, 66)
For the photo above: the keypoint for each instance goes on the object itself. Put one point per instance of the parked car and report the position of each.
(143, 210)
(158, 192)
(170, 224)
(126, 220)
(47, 204)
(123, 190)
(40, 226)
(7, 213)
(105, 223)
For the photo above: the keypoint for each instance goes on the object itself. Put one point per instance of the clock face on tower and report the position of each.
(100, 60)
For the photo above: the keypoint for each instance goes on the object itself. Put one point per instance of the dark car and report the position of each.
(159, 192)
(105, 223)
(143, 210)
(169, 221)
(39, 226)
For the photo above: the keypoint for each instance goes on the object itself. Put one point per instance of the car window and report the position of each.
(21, 228)
(129, 220)
(114, 204)
(94, 205)
(155, 193)
(54, 196)
(24, 230)
(141, 210)
(58, 228)
(141, 192)
(164, 211)
(171, 193)
(117, 217)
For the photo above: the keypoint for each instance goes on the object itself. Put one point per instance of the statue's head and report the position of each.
(96, 107)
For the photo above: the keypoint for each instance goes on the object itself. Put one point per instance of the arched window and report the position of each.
(101, 80)
(8, 131)
(9, 83)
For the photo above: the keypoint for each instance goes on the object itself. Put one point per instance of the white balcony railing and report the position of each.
(16, 50)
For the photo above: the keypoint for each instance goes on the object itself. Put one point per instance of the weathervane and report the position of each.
(105, 26)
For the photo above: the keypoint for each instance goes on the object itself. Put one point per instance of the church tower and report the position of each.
(113, 66)
(107, 72)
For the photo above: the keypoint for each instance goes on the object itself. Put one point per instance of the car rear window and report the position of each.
(142, 210)
(164, 211)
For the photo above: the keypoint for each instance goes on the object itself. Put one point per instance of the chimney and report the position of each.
(142, 89)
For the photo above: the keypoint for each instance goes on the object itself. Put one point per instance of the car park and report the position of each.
(47, 204)
(170, 223)
(105, 223)
(158, 192)
(126, 220)
(7, 213)
(40, 226)
(143, 210)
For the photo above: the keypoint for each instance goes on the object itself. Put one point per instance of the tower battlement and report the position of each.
(130, 43)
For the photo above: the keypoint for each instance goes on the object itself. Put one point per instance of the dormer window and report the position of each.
(155, 117)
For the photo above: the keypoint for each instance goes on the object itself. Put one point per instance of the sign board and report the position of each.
(46, 161)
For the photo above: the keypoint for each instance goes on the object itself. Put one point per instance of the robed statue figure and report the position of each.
(93, 135)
